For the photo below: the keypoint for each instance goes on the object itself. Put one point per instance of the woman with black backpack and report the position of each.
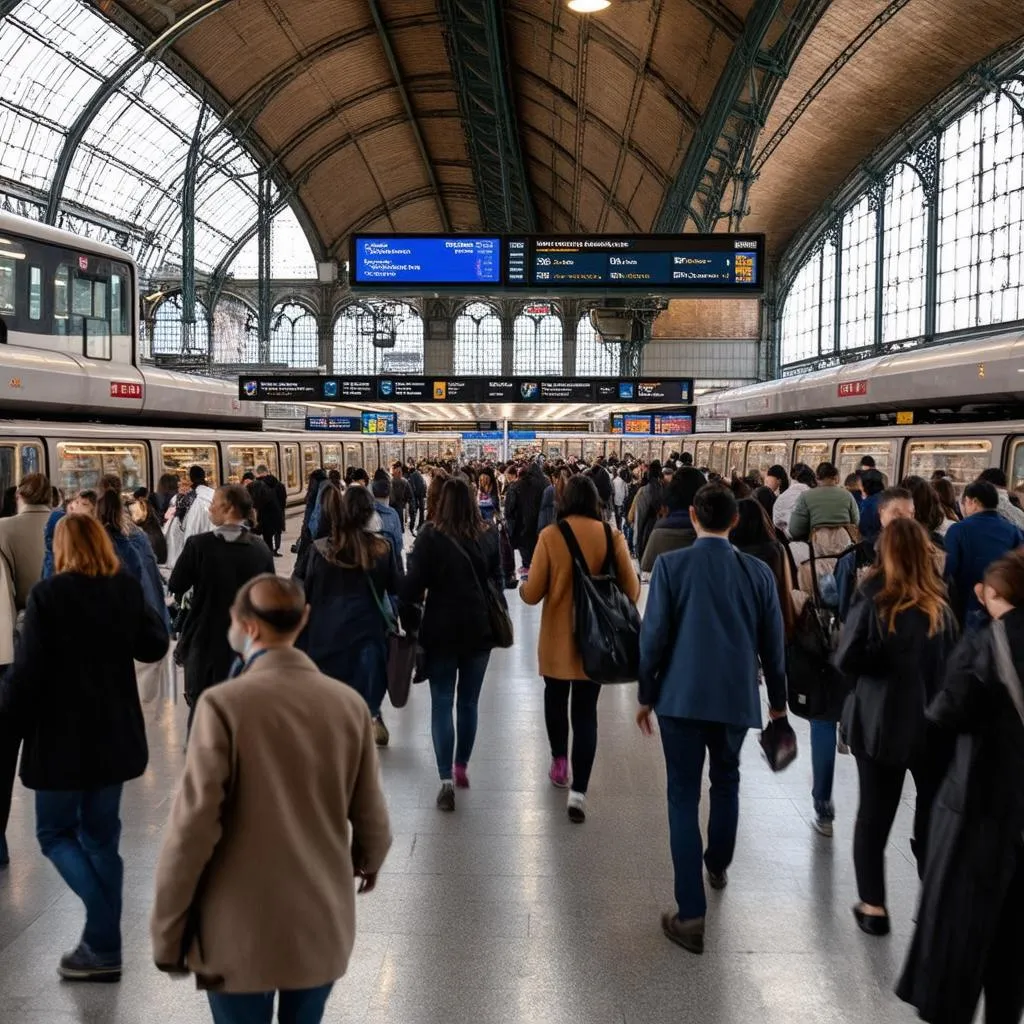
(561, 664)
(455, 562)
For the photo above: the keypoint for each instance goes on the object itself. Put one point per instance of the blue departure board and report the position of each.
(424, 260)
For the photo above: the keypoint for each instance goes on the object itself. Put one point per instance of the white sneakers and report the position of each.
(577, 807)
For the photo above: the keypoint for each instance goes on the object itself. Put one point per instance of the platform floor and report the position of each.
(505, 912)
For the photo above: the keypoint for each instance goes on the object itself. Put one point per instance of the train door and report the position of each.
(17, 460)
(961, 460)
(737, 455)
(592, 449)
(353, 455)
(310, 460)
(176, 460)
(292, 475)
(331, 458)
(719, 457)
(811, 453)
(702, 456)
(244, 458)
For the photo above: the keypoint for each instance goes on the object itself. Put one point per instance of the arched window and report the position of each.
(981, 219)
(169, 332)
(354, 330)
(293, 336)
(537, 342)
(857, 287)
(808, 314)
(594, 357)
(235, 332)
(477, 349)
(906, 244)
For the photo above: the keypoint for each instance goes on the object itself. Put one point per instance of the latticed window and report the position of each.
(169, 334)
(477, 349)
(537, 343)
(906, 245)
(354, 329)
(801, 314)
(293, 336)
(594, 357)
(857, 285)
(235, 332)
(290, 255)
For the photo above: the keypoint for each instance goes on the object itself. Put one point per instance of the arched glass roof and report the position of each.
(130, 165)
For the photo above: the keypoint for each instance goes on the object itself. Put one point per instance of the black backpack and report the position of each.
(606, 624)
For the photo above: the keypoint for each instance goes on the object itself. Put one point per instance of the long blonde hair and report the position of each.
(908, 575)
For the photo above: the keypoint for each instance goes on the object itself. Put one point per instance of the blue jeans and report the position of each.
(442, 671)
(79, 832)
(299, 1006)
(363, 667)
(684, 741)
(823, 767)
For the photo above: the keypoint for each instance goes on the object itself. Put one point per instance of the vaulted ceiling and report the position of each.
(430, 115)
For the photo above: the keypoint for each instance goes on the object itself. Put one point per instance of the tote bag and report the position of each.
(606, 624)
(401, 652)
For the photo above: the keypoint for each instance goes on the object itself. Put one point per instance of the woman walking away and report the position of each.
(72, 692)
(487, 496)
(648, 503)
(946, 493)
(454, 561)
(348, 577)
(970, 924)
(551, 581)
(895, 643)
(754, 535)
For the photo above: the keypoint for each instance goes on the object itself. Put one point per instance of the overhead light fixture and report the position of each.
(589, 6)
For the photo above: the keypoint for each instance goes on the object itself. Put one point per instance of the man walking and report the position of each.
(712, 614)
(279, 811)
(401, 496)
(213, 566)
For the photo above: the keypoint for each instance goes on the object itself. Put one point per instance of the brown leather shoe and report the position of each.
(688, 934)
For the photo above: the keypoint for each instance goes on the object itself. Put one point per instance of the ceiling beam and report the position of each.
(414, 124)
(154, 51)
(720, 16)
(478, 53)
(676, 206)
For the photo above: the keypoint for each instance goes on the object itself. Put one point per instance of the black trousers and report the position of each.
(1004, 979)
(881, 786)
(583, 717)
(10, 744)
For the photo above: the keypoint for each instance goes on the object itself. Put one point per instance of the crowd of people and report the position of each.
(915, 590)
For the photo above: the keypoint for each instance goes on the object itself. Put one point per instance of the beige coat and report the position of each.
(23, 549)
(550, 580)
(255, 879)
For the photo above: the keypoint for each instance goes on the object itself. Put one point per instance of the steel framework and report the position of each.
(475, 36)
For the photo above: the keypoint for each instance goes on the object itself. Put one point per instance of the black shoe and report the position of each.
(871, 924)
(295, 548)
(446, 798)
(5, 857)
(82, 964)
(688, 934)
(719, 880)
(277, 554)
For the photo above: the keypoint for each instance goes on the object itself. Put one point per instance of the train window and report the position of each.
(291, 467)
(30, 459)
(1017, 469)
(962, 461)
(8, 281)
(719, 453)
(310, 460)
(702, 458)
(97, 338)
(60, 299)
(7, 467)
(591, 450)
(851, 452)
(353, 456)
(762, 455)
(35, 293)
(737, 453)
(332, 457)
(81, 464)
(244, 458)
(119, 302)
(811, 453)
(81, 296)
(180, 458)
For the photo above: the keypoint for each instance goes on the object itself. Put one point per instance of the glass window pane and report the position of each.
(35, 293)
(179, 458)
(811, 453)
(169, 334)
(30, 459)
(594, 357)
(477, 349)
(850, 454)
(763, 454)
(963, 461)
(905, 241)
(537, 344)
(801, 314)
(293, 336)
(8, 285)
(244, 458)
(80, 465)
(857, 287)
(291, 467)
(358, 324)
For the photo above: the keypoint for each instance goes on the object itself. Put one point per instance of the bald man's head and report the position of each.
(269, 611)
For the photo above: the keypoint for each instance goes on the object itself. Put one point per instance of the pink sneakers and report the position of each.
(559, 773)
(461, 776)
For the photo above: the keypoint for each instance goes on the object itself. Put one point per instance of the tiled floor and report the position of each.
(504, 912)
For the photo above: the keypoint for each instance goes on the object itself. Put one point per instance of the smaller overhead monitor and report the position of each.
(417, 261)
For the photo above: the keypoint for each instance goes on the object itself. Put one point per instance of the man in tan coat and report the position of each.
(254, 887)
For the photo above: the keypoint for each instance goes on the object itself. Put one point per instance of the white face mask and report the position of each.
(239, 641)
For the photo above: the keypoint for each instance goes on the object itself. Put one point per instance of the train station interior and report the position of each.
(350, 235)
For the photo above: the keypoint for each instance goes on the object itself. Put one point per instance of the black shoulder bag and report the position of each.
(606, 624)
(498, 618)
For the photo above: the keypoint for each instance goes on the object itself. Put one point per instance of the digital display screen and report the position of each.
(636, 424)
(673, 423)
(426, 260)
(617, 423)
(726, 265)
(430, 390)
(663, 262)
(351, 424)
(380, 423)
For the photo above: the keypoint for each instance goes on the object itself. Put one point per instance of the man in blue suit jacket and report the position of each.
(973, 544)
(712, 614)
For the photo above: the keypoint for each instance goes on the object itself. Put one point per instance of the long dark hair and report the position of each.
(754, 526)
(458, 513)
(781, 475)
(316, 478)
(348, 516)
(110, 512)
(946, 493)
(927, 508)
(580, 498)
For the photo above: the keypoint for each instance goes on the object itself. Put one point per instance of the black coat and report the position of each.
(418, 485)
(894, 675)
(974, 846)
(213, 568)
(72, 692)
(522, 506)
(455, 619)
(401, 493)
